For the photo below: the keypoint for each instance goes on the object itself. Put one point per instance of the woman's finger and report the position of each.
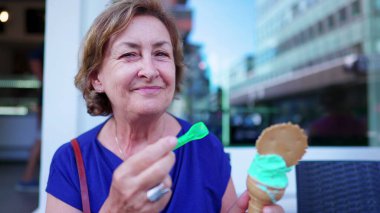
(156, 173)
(241, 205)
(167, 182)
(273, 209)
(159, 205)
(134, 177)
(158, 191)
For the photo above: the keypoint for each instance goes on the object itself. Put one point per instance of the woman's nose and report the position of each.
(148, 69)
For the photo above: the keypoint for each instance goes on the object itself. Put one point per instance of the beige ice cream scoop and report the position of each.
(279, 147)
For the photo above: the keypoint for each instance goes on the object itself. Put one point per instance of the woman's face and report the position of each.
(138, 70)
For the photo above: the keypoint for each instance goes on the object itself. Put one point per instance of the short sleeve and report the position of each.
(63, 181)
(222, 172)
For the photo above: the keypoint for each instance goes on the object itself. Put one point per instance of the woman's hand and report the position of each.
(241, 205)
(141, 172)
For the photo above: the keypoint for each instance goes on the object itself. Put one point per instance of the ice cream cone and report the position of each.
(258, 198)
(286, 141)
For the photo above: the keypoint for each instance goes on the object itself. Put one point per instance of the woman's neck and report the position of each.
(132, 135)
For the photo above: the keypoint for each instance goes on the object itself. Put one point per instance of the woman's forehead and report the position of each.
(142, 30)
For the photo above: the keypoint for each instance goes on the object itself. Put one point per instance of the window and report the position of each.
(315, 29)
(35, 21)
(1, 27)
(3, 19)
(355, 8)
(342, 16)
(305, 36)
(321, 29)
(331, 22)
(377, 5)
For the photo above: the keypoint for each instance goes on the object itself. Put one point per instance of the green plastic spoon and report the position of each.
(196, 132)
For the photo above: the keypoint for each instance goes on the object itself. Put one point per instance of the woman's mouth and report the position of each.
(148, 90)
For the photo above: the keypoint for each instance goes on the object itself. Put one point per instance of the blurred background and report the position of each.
(250, 64)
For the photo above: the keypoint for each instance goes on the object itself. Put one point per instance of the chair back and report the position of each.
(338, 186)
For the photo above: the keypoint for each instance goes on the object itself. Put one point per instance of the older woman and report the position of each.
(131, 69)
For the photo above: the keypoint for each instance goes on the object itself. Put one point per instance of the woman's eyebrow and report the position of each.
(138, 46)
(162, 43)
(129, 44)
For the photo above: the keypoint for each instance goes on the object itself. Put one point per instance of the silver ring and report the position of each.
(157, 192)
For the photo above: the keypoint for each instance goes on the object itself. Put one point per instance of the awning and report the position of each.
(314, 77)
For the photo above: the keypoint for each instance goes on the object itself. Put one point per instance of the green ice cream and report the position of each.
(270, 170)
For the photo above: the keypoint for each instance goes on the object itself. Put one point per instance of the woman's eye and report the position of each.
(130, 56)
(162, 54)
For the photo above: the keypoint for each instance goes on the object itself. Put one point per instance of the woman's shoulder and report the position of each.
(84, 140)
(91, 134)
(185, 125)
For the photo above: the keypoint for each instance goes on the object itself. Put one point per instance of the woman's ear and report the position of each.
(96, 83)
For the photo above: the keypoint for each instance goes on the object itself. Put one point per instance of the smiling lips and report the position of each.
(148, 90)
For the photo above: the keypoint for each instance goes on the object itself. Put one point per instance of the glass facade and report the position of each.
(316, 64)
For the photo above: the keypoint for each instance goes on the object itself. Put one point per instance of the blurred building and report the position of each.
(305, 46)
(193, 102)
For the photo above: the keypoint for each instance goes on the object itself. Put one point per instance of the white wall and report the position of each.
(64, 114)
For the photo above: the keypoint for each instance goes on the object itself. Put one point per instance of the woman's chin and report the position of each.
(151, 109)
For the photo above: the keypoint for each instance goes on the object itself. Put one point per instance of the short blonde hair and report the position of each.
(109, 23)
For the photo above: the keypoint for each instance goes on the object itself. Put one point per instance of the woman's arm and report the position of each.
(230, 201)
(53, 204)
(229, 197)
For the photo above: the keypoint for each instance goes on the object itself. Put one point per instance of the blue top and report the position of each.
(200, 174)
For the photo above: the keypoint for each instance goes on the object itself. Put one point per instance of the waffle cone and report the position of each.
(286, 139)
(258, 197)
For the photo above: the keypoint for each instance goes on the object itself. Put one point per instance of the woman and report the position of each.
(131, 69)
